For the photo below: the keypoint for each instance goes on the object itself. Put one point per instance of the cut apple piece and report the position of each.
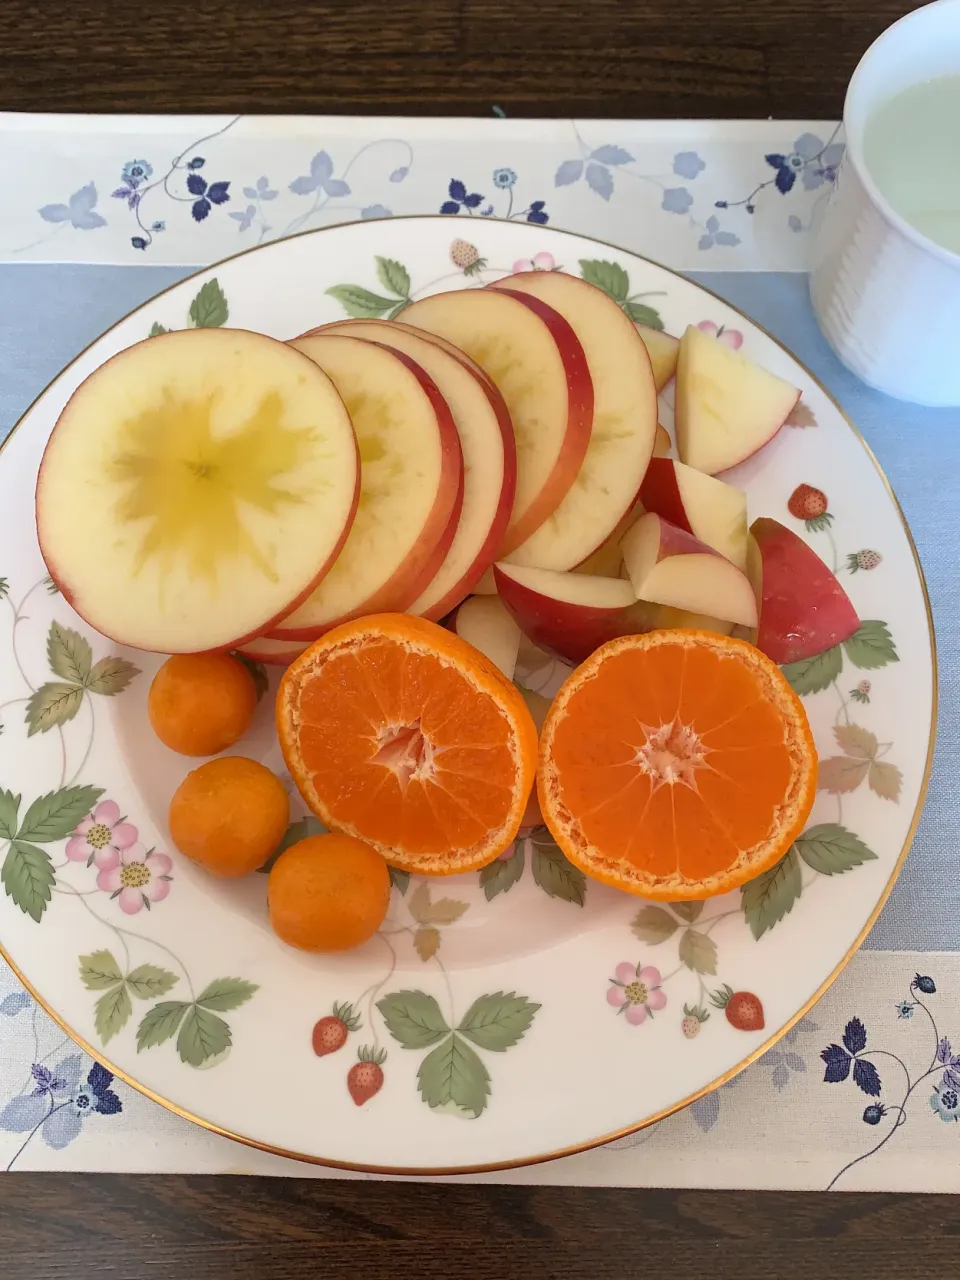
(533, 356)
(663, 444)
(411, 485)
(484, 622)
(727, 407)
(624, 420)
(489, 459)
(803, 608)
(277, 653)
(669, 566)
(487, 585)
(607, 560)
(196, 488)
(711, 510)
(663, 350)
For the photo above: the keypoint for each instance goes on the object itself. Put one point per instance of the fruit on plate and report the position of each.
(676, 765)
(201, 703)
(803, 608)
(276, 653)
(727, 407)
(667, 565)
(533, 356)
(711, 510)
(570, 614)
(662, 444)
(607, 560)
(195, 489)
(400, 733)
(484, 622)
(624, 423)
(411, 485)
(663, 350)
(328, 893)
(229, 815)
(489, 458)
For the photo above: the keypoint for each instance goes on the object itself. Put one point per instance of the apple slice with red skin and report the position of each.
(624, 420)
(727, 407)
(533, 356)
(663, 350)
(669, 566)
(484, 622)
(711, 510)
(411, 485)
(803, 609)
(276, 653)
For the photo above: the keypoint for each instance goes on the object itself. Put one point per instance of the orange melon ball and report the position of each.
(328, 893)
(201, 703)
(229, 815)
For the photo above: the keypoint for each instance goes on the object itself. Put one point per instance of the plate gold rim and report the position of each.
(603, 1140)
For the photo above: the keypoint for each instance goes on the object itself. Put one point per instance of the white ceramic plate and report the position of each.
(503, 998)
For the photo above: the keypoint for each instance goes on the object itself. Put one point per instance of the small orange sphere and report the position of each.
(201, 703)
(328, 893)
(229, 815)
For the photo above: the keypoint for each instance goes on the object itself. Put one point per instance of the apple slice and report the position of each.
(487, 585)
(624, 420)
(803, 608)
(533, 356)
(411, 485)
(727, 407)
(607, 560)
(278, 653)
(712, 511)
(196, 487)
(663, 350)
(484, 622)
(663, 444)
(489, 458)
(669, 566)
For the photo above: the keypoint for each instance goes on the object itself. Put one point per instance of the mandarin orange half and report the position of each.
(676, 764)
(400, 733)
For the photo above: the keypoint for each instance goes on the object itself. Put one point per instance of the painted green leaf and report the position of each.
(361, 303)
(454, 1073)
(443, 911)
(608, 276)
(209, 308)
(400, 880)
(9, 808)
(258, 671)
(413, 1018)
(394, 276)
(4, 588)
(831, 849)
(811, 675)
(148, 980)
(202, 1036)
(54, 816)
(111, 676)
(100, 971)
(160, 1023)
(296, 831)
(871, 646)
(498, 1021)
(688, 911)
(654, 925)
(52, 588)
(766, 900)
(156, 329)
(52, 704)
(28, 877)
(556, 876)
(640, 313)
(223, 994)
(698, 951)
(112, 1012)
(401, 306)
(68, 653)
(501, 875)
(426, 941)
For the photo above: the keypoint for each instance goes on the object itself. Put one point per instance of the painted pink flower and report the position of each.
(636, 992)
(539, 262)
(141, 878)
(101, 837)
(732, 337)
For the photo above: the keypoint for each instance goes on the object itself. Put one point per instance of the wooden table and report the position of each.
(629, 58)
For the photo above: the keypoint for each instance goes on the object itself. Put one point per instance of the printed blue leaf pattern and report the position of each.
(866, 1077)
(570, 171)
(611, 155)
(600, 180)
(855, 1036)
(14, 1003)
(80, 212)
(687, 164)
(376, 211)
(837, 1062)
(676, 200)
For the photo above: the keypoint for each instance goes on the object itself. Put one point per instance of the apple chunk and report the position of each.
(411, 485)
(534, 358)
(663, 350)
(669, 566)
(484, 622)
(727, 407)
(196, 487)
(624, 424)
(803, 608)
(711, 510)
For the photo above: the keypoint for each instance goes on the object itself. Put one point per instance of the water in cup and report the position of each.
(911, 148)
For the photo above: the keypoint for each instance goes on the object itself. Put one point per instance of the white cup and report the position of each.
(887, 298)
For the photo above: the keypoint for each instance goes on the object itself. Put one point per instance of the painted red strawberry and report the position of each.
(330, 1033)
(365, 1077)
(743, 1009)
(810, 505)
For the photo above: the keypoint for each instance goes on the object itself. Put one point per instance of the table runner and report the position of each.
(100, 213)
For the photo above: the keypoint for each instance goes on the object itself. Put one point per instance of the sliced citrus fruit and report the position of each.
(676, 764)
(405, 736)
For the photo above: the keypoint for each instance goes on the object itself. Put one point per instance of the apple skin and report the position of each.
(803, 609)
(695, 510)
